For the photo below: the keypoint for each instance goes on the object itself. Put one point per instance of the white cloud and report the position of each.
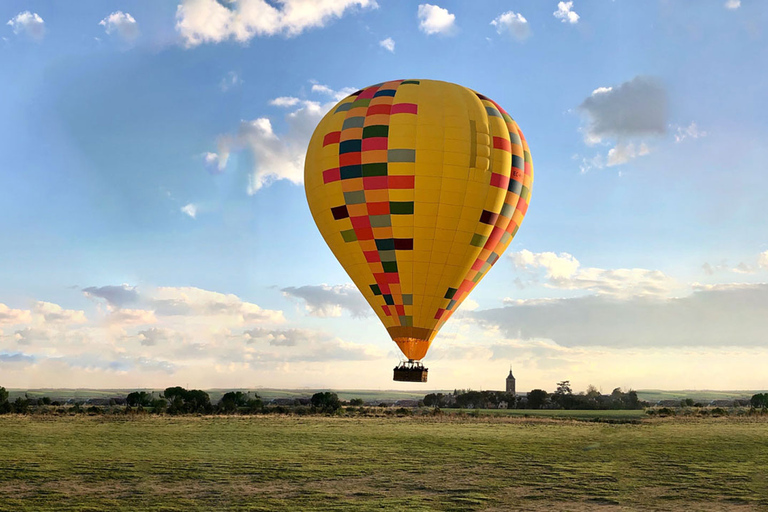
(388, 44)
(10, 316)
(276, 157)
(691, 131)
(337, 95)
(31, 336)
(556, 266)
(122, 24)
(514, 23)
(230, 81)
(190, 209)
(565, 13)
(330, 301)
(209, 21)
(732, 4)
(294, 345)
(214, 163)
(623, 153)
(55, 314)
(588, 164)
(435, 20)
(28, 23)
(563, 271)
(125, 316)
(284, 101)
(762, 260)
(158, 335)
(634, 108)
(190, 301)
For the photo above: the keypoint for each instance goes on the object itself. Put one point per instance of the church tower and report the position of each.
(510, 382)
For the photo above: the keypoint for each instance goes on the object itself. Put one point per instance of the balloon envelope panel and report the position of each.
(417, 186)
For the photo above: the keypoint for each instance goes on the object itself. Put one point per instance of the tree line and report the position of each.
(562, 398)
(177, 400)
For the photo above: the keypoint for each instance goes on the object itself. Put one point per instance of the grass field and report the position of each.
(321, 463)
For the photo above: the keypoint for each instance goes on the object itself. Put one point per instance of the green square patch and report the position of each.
(349, 235)
(478, 240)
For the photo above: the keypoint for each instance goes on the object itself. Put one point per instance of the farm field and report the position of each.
(409, 463)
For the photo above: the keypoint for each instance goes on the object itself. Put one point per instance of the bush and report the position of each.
(326, 401)
(719, 411)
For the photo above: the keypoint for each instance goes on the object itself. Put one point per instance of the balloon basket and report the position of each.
(412, 371)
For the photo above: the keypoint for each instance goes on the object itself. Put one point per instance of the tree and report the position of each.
(175, 396)
(21, 405)
(356, 402)
(687, 402)
(537, 398)
(759, 401)
(3, 395)
(326, 401)
(159, 405)
(564, 388)
(232, 401)
(592, 392)
(139, 399)
(197, 400)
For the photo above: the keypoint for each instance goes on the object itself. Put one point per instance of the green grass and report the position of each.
(318, 463)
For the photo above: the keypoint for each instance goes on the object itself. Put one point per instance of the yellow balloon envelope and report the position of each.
(418, 187)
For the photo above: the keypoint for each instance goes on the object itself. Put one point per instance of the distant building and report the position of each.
(510, 382)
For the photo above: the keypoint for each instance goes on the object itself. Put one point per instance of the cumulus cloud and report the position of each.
(189, 301)
(435, 20)
(230, 81)
(336, 95)
(10, 316)
(284, 101)
(31, 335)
(115, 296)
(55, 314)
(388, 44)
(294, 345)
(28, 23)
(125, 316)
(732, 4)
(685, 132)
(713, 316)
(563, 271)
(623, 153)
(158, 335)
(634, 108)
(513, 23)
(189, 209)
(762, 260)
(330, 301)
(276, 156)
(565, 13)
(122, 24)
(210, 21)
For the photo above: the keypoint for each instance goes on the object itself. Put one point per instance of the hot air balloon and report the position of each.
(418, 187)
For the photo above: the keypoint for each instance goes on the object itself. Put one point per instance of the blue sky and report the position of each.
(156, 231)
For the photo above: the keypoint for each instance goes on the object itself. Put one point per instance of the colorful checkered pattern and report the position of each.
(417, 186)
